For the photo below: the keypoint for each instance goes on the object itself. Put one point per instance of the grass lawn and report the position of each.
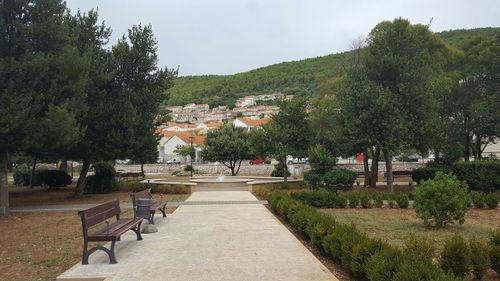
(396, 225)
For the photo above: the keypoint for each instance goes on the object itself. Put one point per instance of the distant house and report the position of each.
(171, 140)
(250, 123)
(245, 101)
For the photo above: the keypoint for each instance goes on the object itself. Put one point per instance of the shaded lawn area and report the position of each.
(41, 246)
(25, 196)
(396, 225)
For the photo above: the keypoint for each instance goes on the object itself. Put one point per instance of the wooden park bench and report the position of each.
(146, 193)
(111, 231)
(399, 174)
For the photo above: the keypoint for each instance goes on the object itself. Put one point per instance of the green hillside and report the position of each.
(295, 77)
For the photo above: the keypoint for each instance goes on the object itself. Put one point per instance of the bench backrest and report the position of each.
(100, 213)
(146, 193)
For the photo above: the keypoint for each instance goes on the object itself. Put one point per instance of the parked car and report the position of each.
(258, 161)
(174, 161)
(291, 161)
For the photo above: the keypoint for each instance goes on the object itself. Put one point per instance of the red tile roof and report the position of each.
(255, 122)
(185, 136)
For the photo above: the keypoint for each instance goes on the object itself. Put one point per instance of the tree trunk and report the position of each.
(467, 146)
(142, 171)
(374, 170)
(478, 148)
(366, 167)
(32, 174)
(80, 186)
(239, 166)
(388, 166)
(4, 187)
(285, 172)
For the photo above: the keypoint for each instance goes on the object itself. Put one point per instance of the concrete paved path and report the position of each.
(233, 238)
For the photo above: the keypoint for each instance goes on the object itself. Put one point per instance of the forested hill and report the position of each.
(295, 77)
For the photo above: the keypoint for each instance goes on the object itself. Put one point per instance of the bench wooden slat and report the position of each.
(115, 230)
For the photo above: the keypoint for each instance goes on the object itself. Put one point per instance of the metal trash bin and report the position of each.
(144, 208)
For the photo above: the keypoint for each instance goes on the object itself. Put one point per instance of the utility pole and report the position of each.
(191, 156)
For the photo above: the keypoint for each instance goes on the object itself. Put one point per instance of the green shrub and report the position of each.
(456, 256)
(279, 170)
(55, 178)
(426, 173)
(132, 186)
(478, 199)
(320, 228)
(480, 257)
(313, 179)
(320, 198)
(172, 188)
(411, 268)
(340, 179)
(383, 264)
(378, 199)
(320, 159)
(495, 250)
(365, 200)
(353, 198)
(188, 168)
(104, 180)
(403, 201)
(491, 200)
(480, 175)
(22, 177)
(442, 200)
(420, 246)
(362, 253)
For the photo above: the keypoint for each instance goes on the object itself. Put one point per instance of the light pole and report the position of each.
(191, 137)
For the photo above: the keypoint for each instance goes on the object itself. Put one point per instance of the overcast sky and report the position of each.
(230, 36)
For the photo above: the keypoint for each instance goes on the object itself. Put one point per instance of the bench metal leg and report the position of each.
(110, 252)
(137, 231)
(163, 210)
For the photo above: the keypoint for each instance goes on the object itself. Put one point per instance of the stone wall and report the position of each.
(257, 170)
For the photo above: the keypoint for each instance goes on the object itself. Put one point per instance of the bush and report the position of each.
(480, 257)
(133, 186)
(420, 246)
(495, 250)
(279, 170)
(365, 200)
(491, 201)
(55, 178)
(412, 268)
(442, 200)
(456, 256)
(320, 198)
(378, 199)
(426, 173)
(383, 264)
(313, 179)
(188, 168)
(320, 159)
(340, 179)
(480, 175)
(103, 181)
(22, 177)
(353, 198)
(478, 199)
(403, 201)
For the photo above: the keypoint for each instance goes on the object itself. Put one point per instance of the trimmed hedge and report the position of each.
(339, 179)
(103, 181)
(426, 173)
(320, 198)
(480, 175)
(55, 178)
(366, 258)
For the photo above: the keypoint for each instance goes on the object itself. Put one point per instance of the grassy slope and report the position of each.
(296, 77)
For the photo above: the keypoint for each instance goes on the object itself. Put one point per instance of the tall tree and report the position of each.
(146, 84)
(227, 144)
(42, 78)
(289, 132)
